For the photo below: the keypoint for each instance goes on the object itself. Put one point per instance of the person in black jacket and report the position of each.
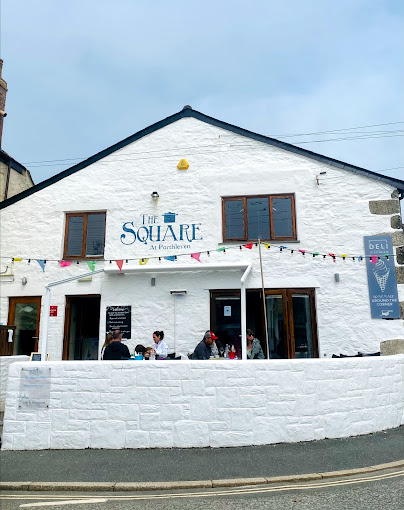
(116, 350)
(203, 349)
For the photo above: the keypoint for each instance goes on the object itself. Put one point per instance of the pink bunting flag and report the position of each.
(249, 245)
(119, 263)
(196, 256)
(65, 263)
(373, 258)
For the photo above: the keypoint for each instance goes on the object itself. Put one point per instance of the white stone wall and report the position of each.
(332, 217)
(5, 362)
(138, 404)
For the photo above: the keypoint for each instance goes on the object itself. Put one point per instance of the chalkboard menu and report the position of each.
(119, 317)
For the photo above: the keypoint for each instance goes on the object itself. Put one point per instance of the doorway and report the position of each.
(82, 322)
(24, 313)
(291, 318)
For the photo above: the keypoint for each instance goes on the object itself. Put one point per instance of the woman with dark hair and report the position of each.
(160, 346)
(254, 349)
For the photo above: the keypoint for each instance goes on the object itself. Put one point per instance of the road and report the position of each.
(380, 491)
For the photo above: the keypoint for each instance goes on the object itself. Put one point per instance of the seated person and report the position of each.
(203, 349)
(116, 350)
(161, 347)
(146, 352)
(254, 349)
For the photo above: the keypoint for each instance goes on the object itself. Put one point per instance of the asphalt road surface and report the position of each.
(381, 491)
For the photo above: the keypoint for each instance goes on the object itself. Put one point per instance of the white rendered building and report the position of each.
(134, 203)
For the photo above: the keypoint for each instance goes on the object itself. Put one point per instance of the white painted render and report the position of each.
(5, 362)
(331, 217)
(185, 403)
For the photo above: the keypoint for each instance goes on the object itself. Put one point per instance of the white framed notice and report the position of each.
(227, 311)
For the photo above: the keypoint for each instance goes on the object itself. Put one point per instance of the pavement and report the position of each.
(156, 469)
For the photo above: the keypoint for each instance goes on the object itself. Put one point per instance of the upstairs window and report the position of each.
(84, 235)
(266, 217)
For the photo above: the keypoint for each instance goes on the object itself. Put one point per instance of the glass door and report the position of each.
(275, 303)
(291, 323)
(24, 314)
(226, 318)
(301, 325)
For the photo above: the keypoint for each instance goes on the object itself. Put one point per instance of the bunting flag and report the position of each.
(373, 258)
(119, 263)
(65, 263)
(302, 252)
(143, 262)
(267, 246)
(17, 259)
(221, 249)
(249, 245)
(42, 264)
(91, 264)
(171, 258)
(196, 256)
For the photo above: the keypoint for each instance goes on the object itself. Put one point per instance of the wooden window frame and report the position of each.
(84, 238)
(271, 221)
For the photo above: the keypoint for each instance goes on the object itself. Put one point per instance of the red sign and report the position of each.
(53, 311)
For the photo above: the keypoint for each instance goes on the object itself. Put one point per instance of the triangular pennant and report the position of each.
(196, 256)
(221, 249)
(373, 258)
(143, 262)
(17, 259)
(171, 258)
(249, 245)
(91, 264)
(119, 263)
(65, 263)
(42, 264)
(267, 246)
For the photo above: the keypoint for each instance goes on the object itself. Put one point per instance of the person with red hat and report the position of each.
(204, 349)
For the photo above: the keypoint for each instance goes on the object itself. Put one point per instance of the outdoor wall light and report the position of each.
(155, 196)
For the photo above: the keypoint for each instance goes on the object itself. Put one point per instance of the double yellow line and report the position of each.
(209, 493)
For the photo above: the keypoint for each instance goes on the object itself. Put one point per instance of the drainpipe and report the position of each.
(244, 312)
(7, 180)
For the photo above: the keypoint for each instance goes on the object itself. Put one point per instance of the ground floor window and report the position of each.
(82, 321)
(291, 319)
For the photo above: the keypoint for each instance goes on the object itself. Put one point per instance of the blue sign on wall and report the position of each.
(382, 282)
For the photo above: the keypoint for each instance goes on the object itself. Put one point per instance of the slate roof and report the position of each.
(187, 111)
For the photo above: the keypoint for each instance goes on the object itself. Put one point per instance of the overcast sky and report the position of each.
(84, 74)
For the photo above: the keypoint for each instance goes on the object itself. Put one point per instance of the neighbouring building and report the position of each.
(163, 231)
(14, 177)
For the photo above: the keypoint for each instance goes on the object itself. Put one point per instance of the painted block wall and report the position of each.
(5, 362)
(332, 217)
(139, 404)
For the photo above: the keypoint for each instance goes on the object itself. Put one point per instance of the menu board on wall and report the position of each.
(119, 317)
(34, 388)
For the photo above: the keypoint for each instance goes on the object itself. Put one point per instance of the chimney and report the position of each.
(3, 93)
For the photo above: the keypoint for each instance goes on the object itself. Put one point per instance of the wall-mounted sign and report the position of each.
(119, 317)
(162, 232)
(37, 356)
(34, 388)
(382, 282)
(53, 311)
(183, 165)
(227, 311)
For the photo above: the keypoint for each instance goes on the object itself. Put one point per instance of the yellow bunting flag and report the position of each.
(143, 262)
(17, 259)
(267, 245)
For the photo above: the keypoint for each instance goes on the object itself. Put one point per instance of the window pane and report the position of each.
(95, 234)
(302, 326)
(75, 235)
(234, 219)
(276, 329)
(282, 217)
(258, 218)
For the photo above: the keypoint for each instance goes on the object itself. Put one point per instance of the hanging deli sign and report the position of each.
(382, 282)
(161, 232)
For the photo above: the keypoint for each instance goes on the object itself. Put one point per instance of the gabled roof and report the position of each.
(187, 111)
(7, 159)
